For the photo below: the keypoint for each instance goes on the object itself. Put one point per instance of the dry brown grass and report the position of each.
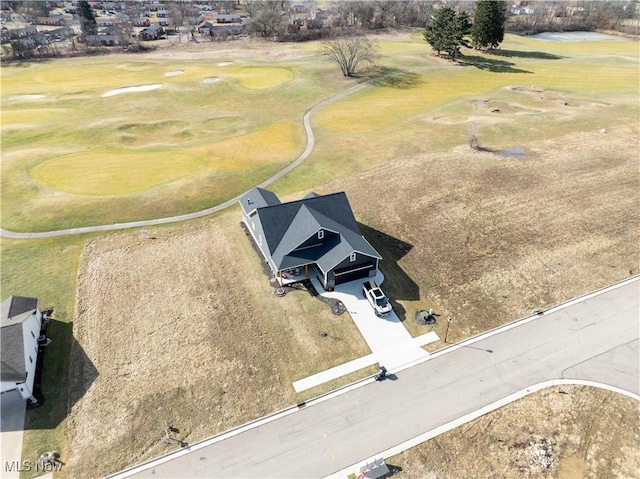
(491, 238)
(185, 328)
(582, 433)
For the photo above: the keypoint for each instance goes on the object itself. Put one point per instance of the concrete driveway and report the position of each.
(11, 432)
(389, 341)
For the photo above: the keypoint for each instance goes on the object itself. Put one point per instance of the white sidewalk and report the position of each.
(391, 344)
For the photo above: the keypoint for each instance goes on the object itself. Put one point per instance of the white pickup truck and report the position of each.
(376, 298)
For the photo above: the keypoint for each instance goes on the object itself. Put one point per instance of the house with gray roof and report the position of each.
(315, 236)
(21, 324)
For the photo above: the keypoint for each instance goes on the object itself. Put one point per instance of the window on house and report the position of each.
(352, 257)
(320, 234)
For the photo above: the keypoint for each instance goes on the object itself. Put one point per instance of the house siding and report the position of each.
(254, 226)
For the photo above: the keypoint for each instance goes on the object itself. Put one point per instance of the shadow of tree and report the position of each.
(397, 285)
(393, 78)
(490, 64)
(520, 54)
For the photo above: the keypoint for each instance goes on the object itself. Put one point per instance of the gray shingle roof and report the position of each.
(287, 225)
(12, 367)
(15, 305)
(258, 198)
(14, 310)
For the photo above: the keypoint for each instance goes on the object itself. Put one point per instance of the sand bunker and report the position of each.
(25, 97)
(132, 89)
(174, 73)
(224, 64)
(211, 80)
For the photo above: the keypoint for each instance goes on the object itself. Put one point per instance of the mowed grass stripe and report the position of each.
(115, 173)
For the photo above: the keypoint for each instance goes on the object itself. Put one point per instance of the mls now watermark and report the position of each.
(32, 466)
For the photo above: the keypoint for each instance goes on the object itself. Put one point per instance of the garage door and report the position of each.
(351, 274)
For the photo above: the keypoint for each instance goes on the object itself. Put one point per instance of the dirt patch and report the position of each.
(181, 325)
(245, 48)
(559, 432)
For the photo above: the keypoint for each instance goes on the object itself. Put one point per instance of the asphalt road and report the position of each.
(594, 337)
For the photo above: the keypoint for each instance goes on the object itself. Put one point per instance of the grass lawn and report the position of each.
(66, 147)
(209, 139)
(47, 269)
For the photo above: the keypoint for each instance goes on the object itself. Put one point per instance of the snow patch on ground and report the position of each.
(174, 73)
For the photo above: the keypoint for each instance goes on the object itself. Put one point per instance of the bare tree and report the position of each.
(350, 53)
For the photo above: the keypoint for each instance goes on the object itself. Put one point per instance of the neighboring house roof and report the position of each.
(288, 225)
(14, 311)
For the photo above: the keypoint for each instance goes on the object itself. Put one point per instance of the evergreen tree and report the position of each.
(88, 23)
(489, 17)
(446, 31)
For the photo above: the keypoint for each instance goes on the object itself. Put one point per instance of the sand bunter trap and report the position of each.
(132, 89)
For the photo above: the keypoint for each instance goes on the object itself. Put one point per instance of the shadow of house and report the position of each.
(398, 285)
(66, 375)
(490, 64)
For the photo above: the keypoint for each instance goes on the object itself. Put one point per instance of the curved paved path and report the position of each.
(594, 338)
(198, 214)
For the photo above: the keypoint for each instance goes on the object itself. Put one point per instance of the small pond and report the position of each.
(577, 37)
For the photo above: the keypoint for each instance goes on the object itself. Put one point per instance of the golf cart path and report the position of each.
(197, 214)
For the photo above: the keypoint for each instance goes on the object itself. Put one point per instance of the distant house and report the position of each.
(22, 324)
(18, 33)
(154, 32)
(215, 30)
(53, 21)
(228, 18)
(315, 236)
(141, 22)
(61, 33)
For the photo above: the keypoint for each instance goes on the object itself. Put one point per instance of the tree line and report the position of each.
(450, 24)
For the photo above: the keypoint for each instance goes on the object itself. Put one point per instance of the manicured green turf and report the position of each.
(217, 130)
(185, 146)
(114, 173)
(263, 77)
